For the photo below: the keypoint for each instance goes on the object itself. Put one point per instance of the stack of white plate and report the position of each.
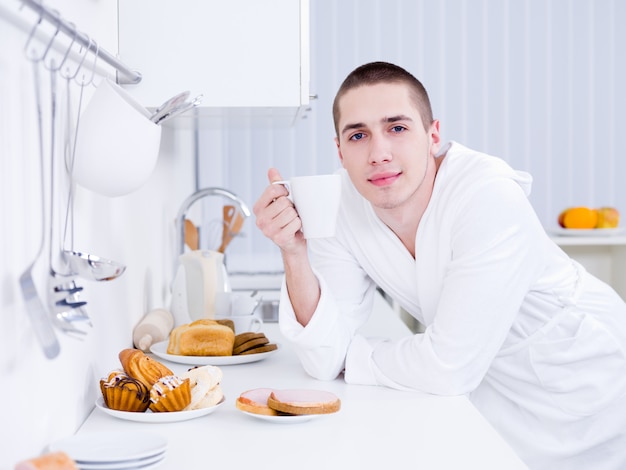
(114, 450)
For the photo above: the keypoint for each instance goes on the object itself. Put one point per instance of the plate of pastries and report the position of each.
(146, 390)
(213, 342)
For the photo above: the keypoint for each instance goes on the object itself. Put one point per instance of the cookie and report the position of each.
(260, 349)
(251, 343)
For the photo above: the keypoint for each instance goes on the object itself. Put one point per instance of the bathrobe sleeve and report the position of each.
(347, 296)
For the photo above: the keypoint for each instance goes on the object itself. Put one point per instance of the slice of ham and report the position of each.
(272, 402)
(255, 401)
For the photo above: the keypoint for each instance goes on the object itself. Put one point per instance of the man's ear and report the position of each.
(435, 137)
(339, 150)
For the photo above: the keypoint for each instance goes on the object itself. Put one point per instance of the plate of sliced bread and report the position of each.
(259, 353)
(287, 406)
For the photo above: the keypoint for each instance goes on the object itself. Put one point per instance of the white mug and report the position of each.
(244, 323)
(234, 303)
(316, 199)
(117, 144)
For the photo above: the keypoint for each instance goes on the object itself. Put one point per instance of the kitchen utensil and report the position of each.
(87, 266)
(69, 312)
(169, 105)
(180, 109)
(63, 293)
(193, 198)
(93, 268)
(117, 145)
(191, 235)
(42, 325)
(233, 222)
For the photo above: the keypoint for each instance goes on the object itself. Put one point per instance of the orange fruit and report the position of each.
(561, 219)
(580, 217)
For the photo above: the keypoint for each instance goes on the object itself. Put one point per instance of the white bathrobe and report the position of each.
(536, 342)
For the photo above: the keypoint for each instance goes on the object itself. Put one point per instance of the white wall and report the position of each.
(44, 400)
(536, 82)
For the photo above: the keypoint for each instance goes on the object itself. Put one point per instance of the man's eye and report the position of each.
(398, 128)
(357, 136)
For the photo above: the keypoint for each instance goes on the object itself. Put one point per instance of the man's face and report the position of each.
(383, 145)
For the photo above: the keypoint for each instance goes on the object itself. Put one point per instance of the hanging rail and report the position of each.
(124, 74)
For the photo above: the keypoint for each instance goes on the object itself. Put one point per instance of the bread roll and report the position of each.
(201, 338)
(50, 461)
(143, 368)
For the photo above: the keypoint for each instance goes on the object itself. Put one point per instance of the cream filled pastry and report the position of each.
(205, 387)
(170, 393)
(122, 392)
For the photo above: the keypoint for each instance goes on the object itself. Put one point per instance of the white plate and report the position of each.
(160, 350)
(283, 419)
(590, 232)
(148, 462)
(127, 466)
(111, 447)
(163, 417)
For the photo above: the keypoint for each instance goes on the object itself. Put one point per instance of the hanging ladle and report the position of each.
(85, 265)
(93, 268)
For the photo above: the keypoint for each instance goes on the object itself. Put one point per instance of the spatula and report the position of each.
(191, 235)
(233, 221)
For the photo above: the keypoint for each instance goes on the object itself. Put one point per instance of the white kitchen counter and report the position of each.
(376, 427)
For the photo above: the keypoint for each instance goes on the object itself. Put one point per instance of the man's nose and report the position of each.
(380, 151)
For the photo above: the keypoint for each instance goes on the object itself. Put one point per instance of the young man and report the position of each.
(536, 342)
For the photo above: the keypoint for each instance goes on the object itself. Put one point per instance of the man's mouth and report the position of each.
(384, 179)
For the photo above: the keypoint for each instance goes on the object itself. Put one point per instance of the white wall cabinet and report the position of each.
(248, 58)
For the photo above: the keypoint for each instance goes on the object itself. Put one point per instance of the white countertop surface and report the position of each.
(375, 428)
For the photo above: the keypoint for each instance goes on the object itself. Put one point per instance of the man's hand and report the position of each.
(277, 217)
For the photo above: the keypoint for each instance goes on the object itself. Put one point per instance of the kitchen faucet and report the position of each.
(202, 193)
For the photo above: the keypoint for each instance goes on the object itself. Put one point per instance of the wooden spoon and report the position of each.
(191, 235)
(233, 221)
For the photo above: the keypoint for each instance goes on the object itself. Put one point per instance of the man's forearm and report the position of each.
(302, 286)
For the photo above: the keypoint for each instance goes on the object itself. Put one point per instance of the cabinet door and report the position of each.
(236, 53)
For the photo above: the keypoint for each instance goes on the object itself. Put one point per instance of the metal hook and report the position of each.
(56, 14)
(82, 83)
(67, 52)
(80, 63)
(31, 36)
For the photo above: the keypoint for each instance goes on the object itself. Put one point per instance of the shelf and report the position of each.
(610, 240)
